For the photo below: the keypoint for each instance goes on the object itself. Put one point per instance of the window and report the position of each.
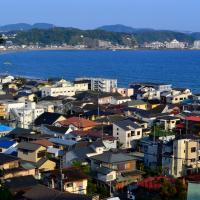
(117, 133)
(193, 149)
(69, 185)
(25, 152)
(128, 134)
(193, 160)
(41, 154)
(138, 132)
(132, 133)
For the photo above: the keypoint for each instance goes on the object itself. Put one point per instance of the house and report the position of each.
(21, 134)
(148, 116)
(41, 192)
(4, 130)
(48, 118)
(7, 146)
(10, 165)
(119, 100)
(116, 168)
(140, 104)
(77, 123)
(35, 154)
(125, 92)
(6, 79)
(83, 150)
(168, 123)
(23, 97)
(56, 131)
(157, 86)
(20, 184)
(175, 96)
(74, 180)
(127, 132)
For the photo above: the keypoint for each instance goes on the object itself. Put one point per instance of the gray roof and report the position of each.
(126, 124)
(28, 146)
(136, 102)
(41, 192)
(112, 157)
(62, 142)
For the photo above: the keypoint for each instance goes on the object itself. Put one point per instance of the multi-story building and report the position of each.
(100, 84)
(196, 44)
(185, 159)
(115, 169)
(127, 132)
(175, 44)
(61, 88)
(24, 117)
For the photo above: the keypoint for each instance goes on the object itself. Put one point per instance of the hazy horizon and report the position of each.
(180, 15)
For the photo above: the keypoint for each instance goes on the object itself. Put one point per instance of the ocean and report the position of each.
(178, 67)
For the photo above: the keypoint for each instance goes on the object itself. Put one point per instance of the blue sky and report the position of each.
(159, 14)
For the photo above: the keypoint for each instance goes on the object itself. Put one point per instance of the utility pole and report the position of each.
(61, 175)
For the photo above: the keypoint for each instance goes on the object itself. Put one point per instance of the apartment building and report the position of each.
(185, 157)
(61, 88)
(175, 44)
(24, 117)
(100, 84)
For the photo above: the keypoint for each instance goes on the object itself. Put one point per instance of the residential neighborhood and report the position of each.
(90, 139)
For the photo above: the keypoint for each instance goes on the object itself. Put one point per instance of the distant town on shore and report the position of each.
(115, 37)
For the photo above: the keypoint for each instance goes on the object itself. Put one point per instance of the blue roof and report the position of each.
(4, 128)
(6, 143)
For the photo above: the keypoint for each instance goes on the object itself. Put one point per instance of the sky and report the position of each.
(181, 15)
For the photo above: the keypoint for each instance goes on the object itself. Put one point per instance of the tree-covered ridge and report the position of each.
(73, 36)
(70, 36)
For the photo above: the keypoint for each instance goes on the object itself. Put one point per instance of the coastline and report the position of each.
(89, 49)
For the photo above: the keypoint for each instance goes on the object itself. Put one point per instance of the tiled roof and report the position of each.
(4, 158)
(127, 124)
(28, 146)
(40, 192)
(112, 157)
(71, 174)
(78, 122)
(43, 142)
(47, 118)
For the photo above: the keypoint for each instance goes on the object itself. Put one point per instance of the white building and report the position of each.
(188, 152)
(25, 116)
(177, 95)
(6, 79)
(127, 132)
(61, 88)
(196, 44)
(100, 84)
(175, 44)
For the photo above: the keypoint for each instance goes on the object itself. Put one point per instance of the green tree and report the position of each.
(5, 194)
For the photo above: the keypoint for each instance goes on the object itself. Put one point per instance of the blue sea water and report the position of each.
(179, 67)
